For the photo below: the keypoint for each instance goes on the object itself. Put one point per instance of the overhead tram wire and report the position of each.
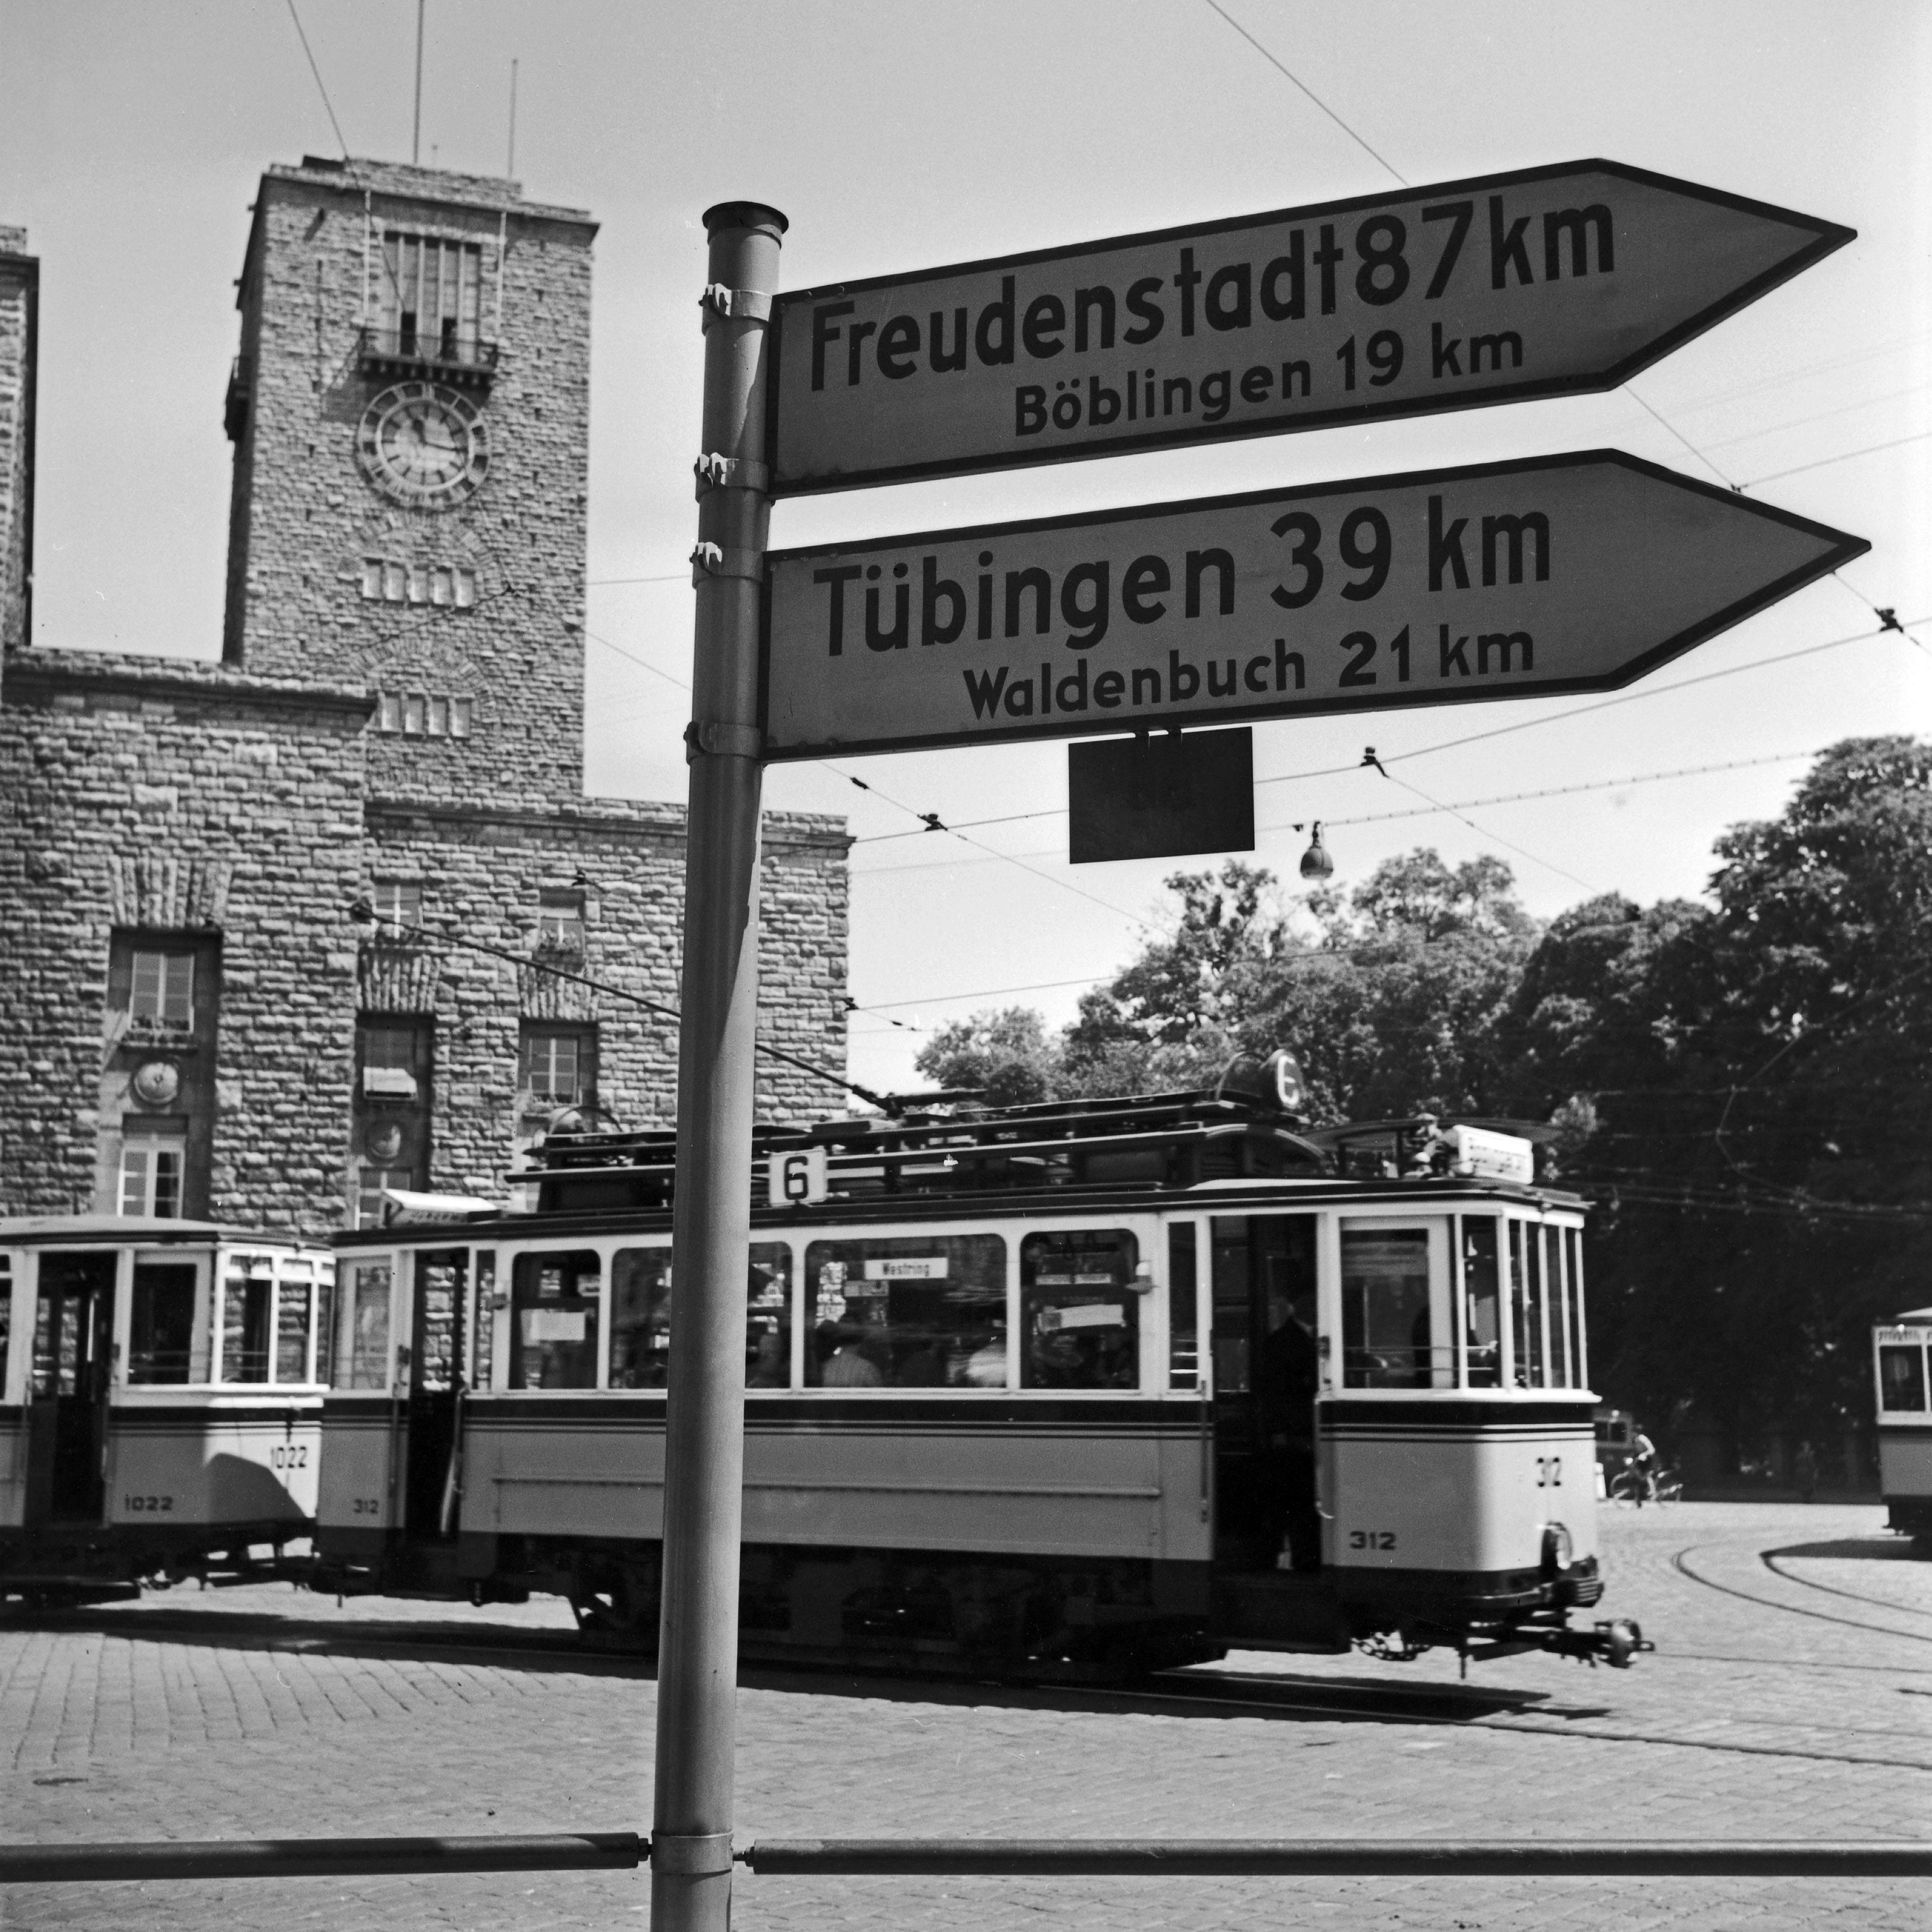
(1562, 872)
(1296, 82)
(1431, 809)
(321, 88)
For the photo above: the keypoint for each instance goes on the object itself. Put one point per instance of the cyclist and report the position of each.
(1642, 1464)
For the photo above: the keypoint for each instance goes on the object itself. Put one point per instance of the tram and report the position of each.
(1075, 1389)
(160, 1402)
(1899, 1350)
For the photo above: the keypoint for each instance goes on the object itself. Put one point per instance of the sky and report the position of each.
(895, 137)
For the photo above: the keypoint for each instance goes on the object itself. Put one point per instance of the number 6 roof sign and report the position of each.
(1545, 282)
(1503, 580)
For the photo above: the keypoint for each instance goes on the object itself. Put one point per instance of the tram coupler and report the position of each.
(1614, 1642)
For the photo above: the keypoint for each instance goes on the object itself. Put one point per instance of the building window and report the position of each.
(447, 586)
(370, 1183)
(431, 297)
(416, 714)
(399, 901)
(394, 1083)
(152, 1166)
(161, 989)
(560, 920)
(560, 1065)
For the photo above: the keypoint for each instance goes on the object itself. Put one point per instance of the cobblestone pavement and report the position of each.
(1791, 1696)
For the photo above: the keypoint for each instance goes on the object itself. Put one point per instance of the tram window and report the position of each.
(1482, 1296)
(1901, 1379)
(245, 1304)
(1526, 1248)
(1079, 1311)
(1556, 1340)
(1525, 1366)
(295, 1311)
(161, 1339)
(367, 1309)
(641, 1317)
(441, 1282)
(1572, 1273)
(1183, 1319)
(907, 1311)
(1386, 1342)
(325, 1305)
(553, 1299)
(486, 1317)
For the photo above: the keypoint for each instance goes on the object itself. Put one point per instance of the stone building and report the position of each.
(19, 325)
(193, 1023)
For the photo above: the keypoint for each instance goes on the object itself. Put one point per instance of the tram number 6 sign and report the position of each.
(796, 1178)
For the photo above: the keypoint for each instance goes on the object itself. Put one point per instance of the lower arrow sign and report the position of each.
(1507, 580)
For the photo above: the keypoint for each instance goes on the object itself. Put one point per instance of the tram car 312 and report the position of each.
(160, 1402)
(1078, 1389)
(1899, 1361)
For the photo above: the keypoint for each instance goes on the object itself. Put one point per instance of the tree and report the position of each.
(1389, 999)
(1006, 1054)
(1761, 1075)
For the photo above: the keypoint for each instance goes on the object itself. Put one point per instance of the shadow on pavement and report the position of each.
(1884, 1548)
(1201, 1693)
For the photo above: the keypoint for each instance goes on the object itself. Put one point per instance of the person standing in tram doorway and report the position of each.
(1289, 1376)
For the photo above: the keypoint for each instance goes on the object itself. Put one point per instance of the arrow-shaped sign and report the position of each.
(1503, 580)
(1550, 281)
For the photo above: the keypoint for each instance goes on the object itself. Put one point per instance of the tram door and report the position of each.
(1266, 1375)
(438, 1328)
(73, 1327)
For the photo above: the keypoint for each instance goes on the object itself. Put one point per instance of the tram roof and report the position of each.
(1214, 1197)
(135, 1230)
(946, 1158)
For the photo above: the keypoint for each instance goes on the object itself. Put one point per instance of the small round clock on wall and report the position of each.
(423, 445)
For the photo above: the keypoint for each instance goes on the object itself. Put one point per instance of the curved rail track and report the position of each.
(1680, 1563)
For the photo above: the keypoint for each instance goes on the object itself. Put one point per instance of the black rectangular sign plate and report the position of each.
(1161, 795)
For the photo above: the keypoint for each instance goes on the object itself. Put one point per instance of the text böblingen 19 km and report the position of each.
(1560, 573)
(1536, 283)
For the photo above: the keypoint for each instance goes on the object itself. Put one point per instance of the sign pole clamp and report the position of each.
(714, 472)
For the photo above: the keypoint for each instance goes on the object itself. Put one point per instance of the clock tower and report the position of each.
(410, 410)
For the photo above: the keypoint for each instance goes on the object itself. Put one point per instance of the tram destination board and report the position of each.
(1556, 574)
(1544, 282)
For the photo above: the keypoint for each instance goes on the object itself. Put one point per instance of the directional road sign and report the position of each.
(1549, 281)
(1503, 579)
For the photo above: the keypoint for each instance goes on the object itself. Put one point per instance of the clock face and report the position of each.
(423, 445)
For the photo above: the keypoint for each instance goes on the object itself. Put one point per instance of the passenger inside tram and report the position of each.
(919, 1311)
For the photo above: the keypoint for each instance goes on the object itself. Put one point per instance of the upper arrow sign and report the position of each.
(1550, 281)
(1506, 579)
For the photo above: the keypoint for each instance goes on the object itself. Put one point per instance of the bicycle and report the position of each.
(1636, 1487)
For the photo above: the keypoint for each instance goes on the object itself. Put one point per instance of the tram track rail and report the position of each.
(1681, 1564)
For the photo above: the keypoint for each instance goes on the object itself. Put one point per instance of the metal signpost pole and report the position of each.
(698, 1650)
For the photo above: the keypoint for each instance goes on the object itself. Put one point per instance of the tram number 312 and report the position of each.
(1550, 1472)
(1371, 1539)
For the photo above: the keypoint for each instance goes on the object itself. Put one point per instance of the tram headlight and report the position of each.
(1558, 1549)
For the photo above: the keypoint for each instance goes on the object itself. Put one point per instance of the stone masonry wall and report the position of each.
(18, 294)
(481, 872)
(306, 517)
(182, 799)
